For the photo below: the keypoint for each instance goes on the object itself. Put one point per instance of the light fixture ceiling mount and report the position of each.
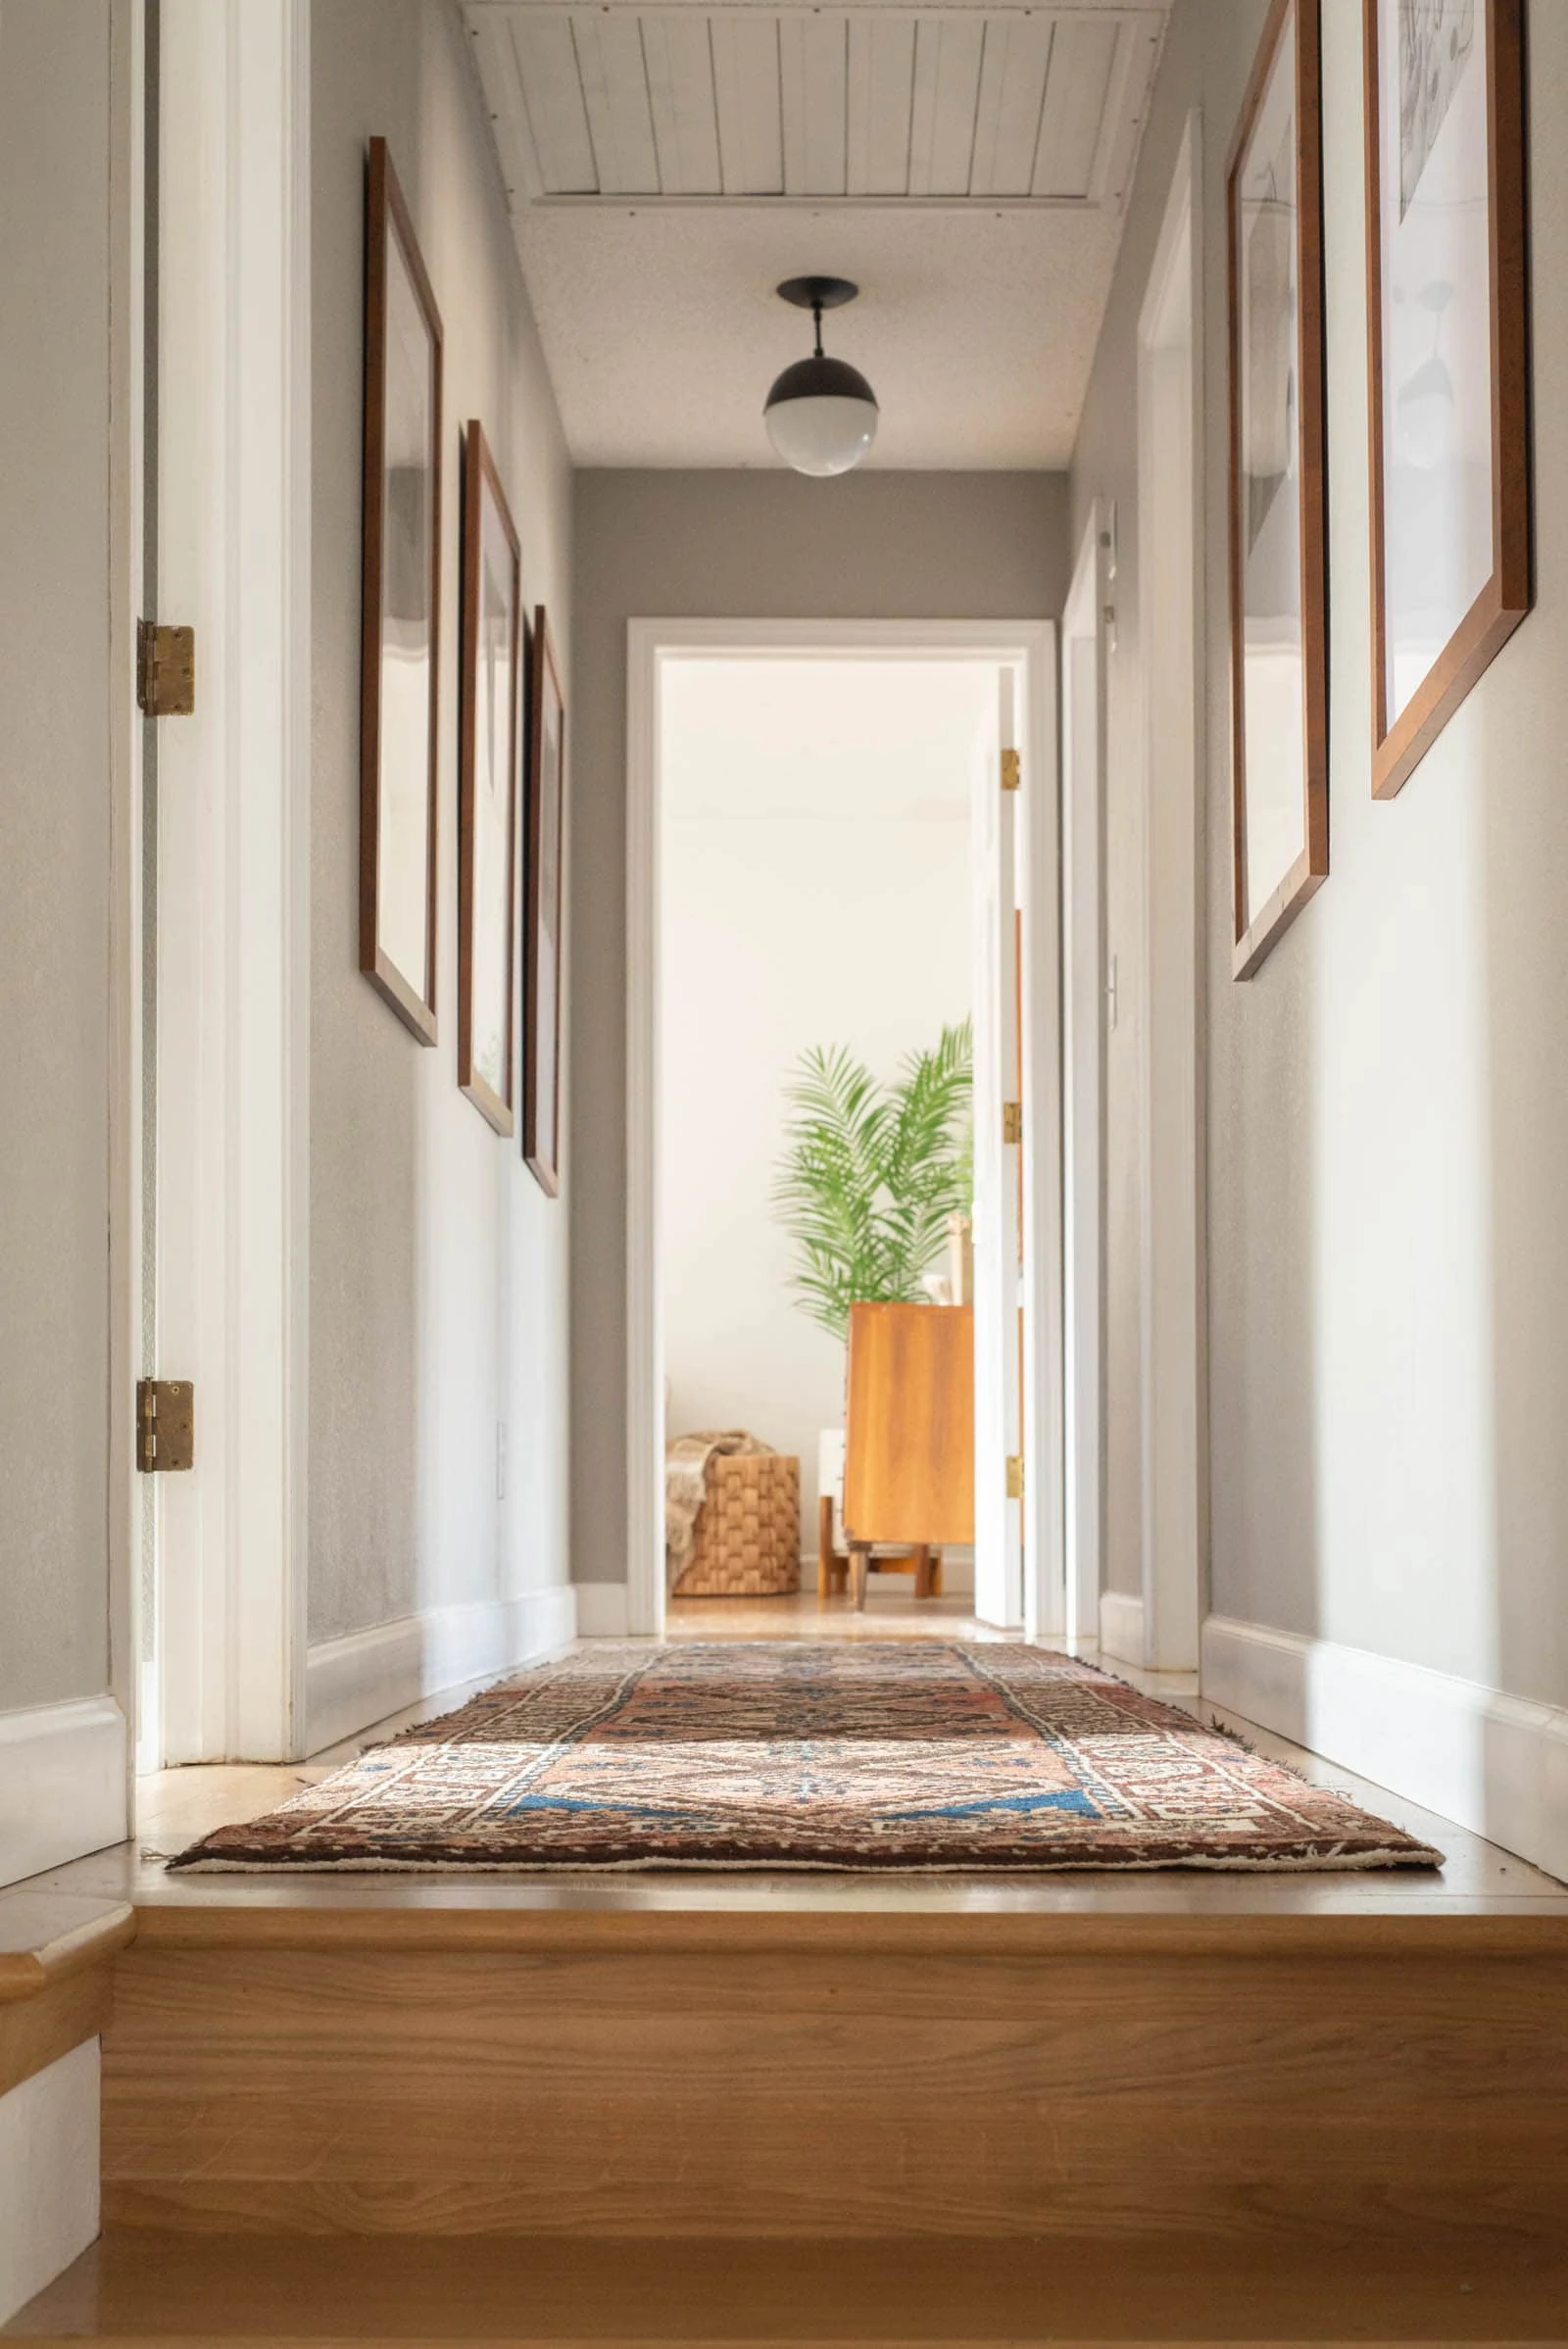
(821, 415)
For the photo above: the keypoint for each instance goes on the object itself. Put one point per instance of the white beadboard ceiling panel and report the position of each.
(966, 165)
(875, 103)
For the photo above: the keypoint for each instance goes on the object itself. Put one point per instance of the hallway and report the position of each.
(395, 395)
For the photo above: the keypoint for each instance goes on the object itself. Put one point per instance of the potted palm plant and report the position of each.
(871, 1174)
(870, 1179)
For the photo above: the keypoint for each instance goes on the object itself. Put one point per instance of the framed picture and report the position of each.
(1448, 360)
(487, 786)
(547, 753)
(400, 645)
(1279, 580)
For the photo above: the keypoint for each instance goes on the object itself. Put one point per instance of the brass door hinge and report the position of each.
(1014, 1476)
(1011, 771)
(165, 1425)
(1012, 1121)
(166, 671)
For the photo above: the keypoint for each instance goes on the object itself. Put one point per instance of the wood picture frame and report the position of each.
(1448, 363)
(542, 975)
(400, 654)
(1278, 488)
(488, 767)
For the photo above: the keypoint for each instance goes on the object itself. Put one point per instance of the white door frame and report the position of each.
(1029, 646)
(1037, 857)
(998, 1294)
(1084, 634)
(1170, 512)
(128, 351)
(232, 1090)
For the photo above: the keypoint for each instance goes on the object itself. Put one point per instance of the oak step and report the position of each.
(149, 2290)
(1297, 2081)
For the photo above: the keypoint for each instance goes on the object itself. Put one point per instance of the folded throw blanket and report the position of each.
(686, 1459)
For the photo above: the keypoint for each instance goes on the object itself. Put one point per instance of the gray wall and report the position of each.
(438, 1268)
(54, 849)
(1387, 1120)
(728, 545)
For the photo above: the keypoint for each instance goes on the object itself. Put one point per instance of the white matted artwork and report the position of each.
(1446, 337)
(1279, 633)
(401, 615)
(487, 793)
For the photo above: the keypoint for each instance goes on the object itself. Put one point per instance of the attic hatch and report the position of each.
(1027, 106)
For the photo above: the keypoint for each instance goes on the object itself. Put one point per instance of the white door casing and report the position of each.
(1038, 869)
(232, 973)
(1169, 568)
(997, 1583)
(1083, 739)
(1026, 648)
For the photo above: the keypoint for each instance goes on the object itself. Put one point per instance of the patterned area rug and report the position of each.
(921, 1754)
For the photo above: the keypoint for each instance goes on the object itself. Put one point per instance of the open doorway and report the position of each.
(832, 908)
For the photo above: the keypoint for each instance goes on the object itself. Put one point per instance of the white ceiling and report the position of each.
(966, 166)
(806, 738)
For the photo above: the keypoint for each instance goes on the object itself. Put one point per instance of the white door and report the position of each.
(998, 1196)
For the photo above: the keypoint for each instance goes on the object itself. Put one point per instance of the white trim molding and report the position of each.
(233, 869)
(1028, 647)
(365, 1676)
(1495, 1763)
(1085, 641)
(64, 1783)
(1042, 1407)
(1121, 1627)
(1171, 1012)
(128, 216)
(49, 2159)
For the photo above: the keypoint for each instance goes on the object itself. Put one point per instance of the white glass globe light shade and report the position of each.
(821, 416)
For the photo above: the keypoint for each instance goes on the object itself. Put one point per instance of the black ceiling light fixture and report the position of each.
(821, 413)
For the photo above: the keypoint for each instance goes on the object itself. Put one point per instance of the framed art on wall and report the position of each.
(1278, 503)
(400, 642)
(487, 786)
(1448, 360)
(542, 976)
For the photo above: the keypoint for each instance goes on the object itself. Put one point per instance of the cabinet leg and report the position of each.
(859, 1566)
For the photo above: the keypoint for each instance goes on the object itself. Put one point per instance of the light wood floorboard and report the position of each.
(155, 2291)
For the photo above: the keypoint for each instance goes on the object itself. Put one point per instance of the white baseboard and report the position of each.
(49, 2160)
(1495, 1763)
(350, 1682)
(603, 1610)
(64, 1783)
(1121, 1626)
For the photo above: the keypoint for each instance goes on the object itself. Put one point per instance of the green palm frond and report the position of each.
(869, 1174)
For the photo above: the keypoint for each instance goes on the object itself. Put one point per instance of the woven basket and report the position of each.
(748, 1533)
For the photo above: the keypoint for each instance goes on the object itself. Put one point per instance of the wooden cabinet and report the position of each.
(908, 1470)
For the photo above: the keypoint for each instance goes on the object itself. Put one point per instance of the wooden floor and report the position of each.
(154, 2290)
(891, 1612)
(1160, 2108)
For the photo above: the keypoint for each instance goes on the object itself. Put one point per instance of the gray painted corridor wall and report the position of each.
(727, 545)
